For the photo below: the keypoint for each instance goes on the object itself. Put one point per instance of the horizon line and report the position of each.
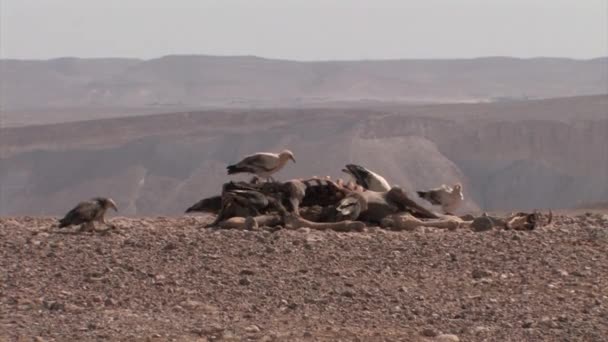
(302, 60)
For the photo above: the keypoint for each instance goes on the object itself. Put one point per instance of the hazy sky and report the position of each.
(304, 30)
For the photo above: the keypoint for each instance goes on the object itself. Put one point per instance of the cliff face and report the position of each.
(534, 158)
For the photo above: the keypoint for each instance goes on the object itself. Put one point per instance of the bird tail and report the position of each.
(358, 172)
(209, 205)
(422, 194)
(232, 169)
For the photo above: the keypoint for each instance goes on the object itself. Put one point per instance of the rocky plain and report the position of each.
(169, 279)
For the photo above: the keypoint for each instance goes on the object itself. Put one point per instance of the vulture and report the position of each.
(262, 164)
(367, 178)
(87, 212)
(211, 205)
(447, 197)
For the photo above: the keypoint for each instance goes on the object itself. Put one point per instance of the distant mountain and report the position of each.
(509, 155)
(207, 81)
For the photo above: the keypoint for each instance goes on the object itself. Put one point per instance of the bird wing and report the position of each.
(210, 205)
(359, 173)
(377, 182)
(261, 161)
(83, 212)
(435, 196)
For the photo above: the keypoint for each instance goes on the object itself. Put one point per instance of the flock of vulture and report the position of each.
(317, 203)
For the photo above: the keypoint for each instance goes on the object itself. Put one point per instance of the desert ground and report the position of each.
(169, 279)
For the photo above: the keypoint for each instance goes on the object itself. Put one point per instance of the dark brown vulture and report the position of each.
(87, 212)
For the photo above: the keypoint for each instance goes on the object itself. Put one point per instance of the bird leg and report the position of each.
(86, 227)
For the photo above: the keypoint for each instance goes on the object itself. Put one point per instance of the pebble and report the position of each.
(478, 274)
(429, 332)
(244, 281)
(482, 224)
(253, 329)
(447, 338)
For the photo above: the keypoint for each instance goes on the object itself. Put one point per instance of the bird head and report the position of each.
(458, 189)
(111, 204)
(287, 154)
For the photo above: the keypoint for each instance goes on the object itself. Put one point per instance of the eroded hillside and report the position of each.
(535, 154)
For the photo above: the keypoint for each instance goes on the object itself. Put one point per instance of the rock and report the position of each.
(478, 274)
(429, 332)
(481, 329)
(303, 230)
(53, 306)
(482, 224)
(247, 272)
(253, 329)
(348, 293)
(447, 338)
(244, 281)
(190, 304)
(110, 302)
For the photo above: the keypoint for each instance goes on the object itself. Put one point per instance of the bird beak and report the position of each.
(294, 159)
(113, 205)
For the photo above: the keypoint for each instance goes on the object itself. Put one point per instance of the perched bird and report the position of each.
(366, 178)
(210, 205)
(448, 198)
(262, 164)
(87, 212)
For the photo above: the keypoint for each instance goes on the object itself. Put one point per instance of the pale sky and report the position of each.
(304, 29)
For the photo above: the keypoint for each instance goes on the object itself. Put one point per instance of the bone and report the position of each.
(294, 222)
(408, 222)
(250, 222)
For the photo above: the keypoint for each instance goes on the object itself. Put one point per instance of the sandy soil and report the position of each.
(162, 279)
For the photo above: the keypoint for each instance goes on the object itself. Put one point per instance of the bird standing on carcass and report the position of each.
(262, 164)
(367, 178)
(448, 198)
(86, 213)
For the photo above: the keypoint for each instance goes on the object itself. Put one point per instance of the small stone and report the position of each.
(480, 330)
(190, 304)
(253, 329)
(447, 338)
(429, 332)
(478, 274)
(244, 281)
(348, 293)
(110, 302)
(247, 272)
(482, 224)
(53, 306)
